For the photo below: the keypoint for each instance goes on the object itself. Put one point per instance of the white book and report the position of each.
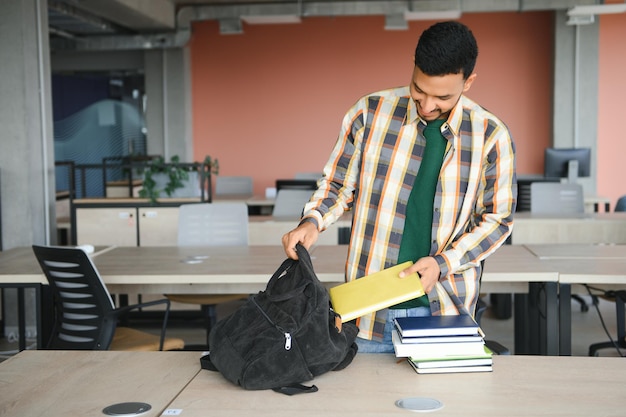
(452, 369)
(436, 350)
(437, 326)
(442, 339)
(450, 363)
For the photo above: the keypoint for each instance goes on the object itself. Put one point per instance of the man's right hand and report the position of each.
(306, 234)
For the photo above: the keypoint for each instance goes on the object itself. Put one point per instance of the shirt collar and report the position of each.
(454, 118)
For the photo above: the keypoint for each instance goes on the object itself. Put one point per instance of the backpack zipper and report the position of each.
(276, 326)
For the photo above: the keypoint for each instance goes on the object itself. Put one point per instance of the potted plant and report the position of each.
(177, 179)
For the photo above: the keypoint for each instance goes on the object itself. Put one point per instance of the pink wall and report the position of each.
(269, 103)
(611, 107)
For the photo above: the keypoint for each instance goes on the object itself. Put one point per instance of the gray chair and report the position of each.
(289, 203)
(211, 224)
(308, 175)
(556, 198)
(85, 316)
(233, 186)
(619, 298)
(621, 204)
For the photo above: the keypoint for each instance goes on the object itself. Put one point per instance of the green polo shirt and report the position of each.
(417, 234)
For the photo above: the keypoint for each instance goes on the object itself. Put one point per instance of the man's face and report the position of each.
(435, 96)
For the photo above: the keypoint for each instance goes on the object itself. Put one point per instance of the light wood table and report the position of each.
(235, 270)
(601, 266)
(204, 270)
(82, 383)
(511, 269)
(518, 386)
(585, 228)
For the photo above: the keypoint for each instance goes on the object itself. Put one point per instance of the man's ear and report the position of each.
(468, 82)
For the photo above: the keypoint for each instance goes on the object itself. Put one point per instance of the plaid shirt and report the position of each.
(371, 172)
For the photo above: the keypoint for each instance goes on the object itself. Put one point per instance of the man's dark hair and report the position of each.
(446, 48)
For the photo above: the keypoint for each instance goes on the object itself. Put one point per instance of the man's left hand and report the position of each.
(428, 270)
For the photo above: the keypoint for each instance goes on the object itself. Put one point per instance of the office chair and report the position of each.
(211, 224)
(481, 306)
(619, 297)
(290, 202)
(558, 198)
(233, 186)
(621, 204)
(85, 316)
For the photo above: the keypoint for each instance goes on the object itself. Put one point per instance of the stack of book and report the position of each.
(442, 344)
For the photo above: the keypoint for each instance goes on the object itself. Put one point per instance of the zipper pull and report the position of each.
(287, 341)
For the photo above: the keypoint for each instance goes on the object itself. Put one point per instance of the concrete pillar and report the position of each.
(26, 139)
(576, 90)
(168, 113)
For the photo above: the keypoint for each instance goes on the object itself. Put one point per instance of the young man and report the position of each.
(429, 176)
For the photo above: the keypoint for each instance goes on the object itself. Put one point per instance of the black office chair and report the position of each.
(496, 347)
(85, 316)
(621, 204)
(619, 297)
(481, 306)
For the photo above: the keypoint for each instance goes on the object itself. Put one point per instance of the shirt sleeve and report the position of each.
(492, 219)
(336, 189)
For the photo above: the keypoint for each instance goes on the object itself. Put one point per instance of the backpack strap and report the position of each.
(294, 389)
(205, 363)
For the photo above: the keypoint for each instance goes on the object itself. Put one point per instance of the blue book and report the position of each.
(436, 326)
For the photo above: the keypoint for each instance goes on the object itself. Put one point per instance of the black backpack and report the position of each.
(283, 336)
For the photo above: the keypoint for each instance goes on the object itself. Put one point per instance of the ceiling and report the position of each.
(144, 24)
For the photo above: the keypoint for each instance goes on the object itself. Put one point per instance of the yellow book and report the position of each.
(374, 292)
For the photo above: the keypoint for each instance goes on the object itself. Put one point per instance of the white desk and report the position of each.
(511, 269)
(585, 228)
(518, 386)
(601, 266)
(81, 383)
(230, 270)
(162, 270)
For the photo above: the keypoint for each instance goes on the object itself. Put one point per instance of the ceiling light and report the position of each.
(583, 19)
(395, 22)
(597, 9)
(271, 19)
(230, 26)
(433, 15)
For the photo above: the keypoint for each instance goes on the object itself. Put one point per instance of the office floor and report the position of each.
(586, 329)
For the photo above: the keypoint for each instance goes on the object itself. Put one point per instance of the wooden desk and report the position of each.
(267, 230)
(162, 270)
(585, 228)
(82, 383)
(511, 269)
(578, 251)
(231, 270)
(601, 266)
(518, 386)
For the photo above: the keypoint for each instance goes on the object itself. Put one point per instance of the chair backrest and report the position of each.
(308, 175)
(289, 203)
(213, 224)
(83, 305)
(233, 185)
(556, 198)
(621, 204)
